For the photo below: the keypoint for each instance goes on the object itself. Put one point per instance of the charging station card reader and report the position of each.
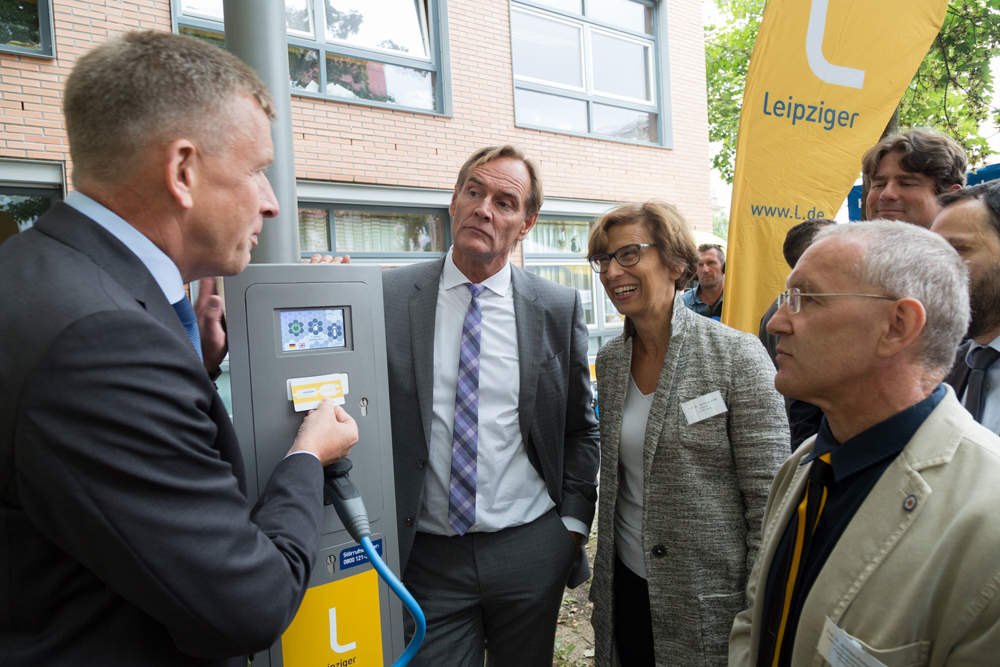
(299, 333)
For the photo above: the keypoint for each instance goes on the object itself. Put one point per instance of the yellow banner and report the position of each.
(824, 79)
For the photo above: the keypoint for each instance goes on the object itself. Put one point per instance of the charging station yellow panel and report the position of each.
(338, 625)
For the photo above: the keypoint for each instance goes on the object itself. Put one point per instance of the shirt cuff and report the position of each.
(574, 525)
(301, 452)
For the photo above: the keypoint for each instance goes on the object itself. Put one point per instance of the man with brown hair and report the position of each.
(706, 298)
(970, 222)
(127, 536)
(907, 172)
(495, 440)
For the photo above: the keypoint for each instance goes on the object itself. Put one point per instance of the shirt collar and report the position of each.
(995, 344)
(164, 271)
(883, 440)
(452, 277)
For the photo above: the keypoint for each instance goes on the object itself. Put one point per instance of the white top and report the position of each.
(991, 406)
(628, 509)
(509, 491)
(165, 272)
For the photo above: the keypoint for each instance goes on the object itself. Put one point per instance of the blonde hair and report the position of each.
(665, 224)
(148, 87)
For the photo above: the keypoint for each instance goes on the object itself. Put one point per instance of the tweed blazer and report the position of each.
(915, 577)
(706, 485)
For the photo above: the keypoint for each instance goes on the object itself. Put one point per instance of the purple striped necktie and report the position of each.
(465, 441)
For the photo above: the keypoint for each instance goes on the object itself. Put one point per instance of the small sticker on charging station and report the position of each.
(306, 393)
(355, 556)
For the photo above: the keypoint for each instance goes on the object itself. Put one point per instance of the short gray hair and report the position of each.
(146, 87)
(907, 261)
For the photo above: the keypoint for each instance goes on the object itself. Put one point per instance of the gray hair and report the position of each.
(150, 87)
(907, 261)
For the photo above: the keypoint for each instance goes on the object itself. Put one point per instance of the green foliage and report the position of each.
(720, 224)
(727, 58)
(950, 92)
(19, 24)
(24, 209)
(953, 88)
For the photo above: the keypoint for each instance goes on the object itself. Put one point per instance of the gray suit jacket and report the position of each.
(706, 485)
(558, 425)
(127, 536)
(916, 584)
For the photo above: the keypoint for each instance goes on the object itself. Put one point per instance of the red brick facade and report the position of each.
(342, 142)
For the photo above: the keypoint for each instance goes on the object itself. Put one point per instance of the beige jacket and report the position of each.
(914, 587)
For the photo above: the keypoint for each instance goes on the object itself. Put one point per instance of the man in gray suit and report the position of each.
(496, 442)
(127, 536)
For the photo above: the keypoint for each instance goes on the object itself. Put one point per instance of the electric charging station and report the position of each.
(299, 333)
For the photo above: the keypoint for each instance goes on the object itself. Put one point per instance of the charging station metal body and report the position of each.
(282, 322)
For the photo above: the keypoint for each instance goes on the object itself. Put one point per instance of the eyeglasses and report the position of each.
(627, 255)
(792, 298)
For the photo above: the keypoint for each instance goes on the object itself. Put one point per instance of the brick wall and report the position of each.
(352, 143)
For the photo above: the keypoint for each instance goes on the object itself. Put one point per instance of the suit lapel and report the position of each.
(67, 225)
(423, 310)
(530, 321)
(664, 385)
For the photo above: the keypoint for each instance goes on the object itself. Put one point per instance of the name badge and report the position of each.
(703, 407)
(842, 650)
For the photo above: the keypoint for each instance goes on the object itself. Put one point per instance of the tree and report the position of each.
(950, 92)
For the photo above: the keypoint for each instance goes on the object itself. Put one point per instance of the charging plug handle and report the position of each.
(340, 491)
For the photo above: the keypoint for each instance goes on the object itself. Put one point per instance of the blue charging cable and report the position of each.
(351, 510)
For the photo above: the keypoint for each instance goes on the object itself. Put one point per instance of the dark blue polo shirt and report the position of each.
(857, 466)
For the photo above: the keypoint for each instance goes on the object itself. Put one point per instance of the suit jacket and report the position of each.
(916, 588)
(557, 421)
(705, 485)
(958, 378)
(127, 536)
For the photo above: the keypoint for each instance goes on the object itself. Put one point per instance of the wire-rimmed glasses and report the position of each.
(627, 255)
(792, 298)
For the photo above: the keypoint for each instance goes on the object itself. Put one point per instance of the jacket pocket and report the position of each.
(916, 654)
(718, 611)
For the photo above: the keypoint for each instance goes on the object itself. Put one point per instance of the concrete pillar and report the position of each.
(255, 33)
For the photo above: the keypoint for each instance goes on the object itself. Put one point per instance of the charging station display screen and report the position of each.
(312, 329)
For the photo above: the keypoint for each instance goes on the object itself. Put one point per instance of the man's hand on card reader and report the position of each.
(328, 432)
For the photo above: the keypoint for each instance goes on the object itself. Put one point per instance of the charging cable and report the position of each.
(340, 491)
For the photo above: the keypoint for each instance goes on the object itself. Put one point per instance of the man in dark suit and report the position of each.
(970, 222)
(128, 539)
(495, 440)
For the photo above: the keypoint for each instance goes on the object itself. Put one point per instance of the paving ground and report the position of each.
(574, 633)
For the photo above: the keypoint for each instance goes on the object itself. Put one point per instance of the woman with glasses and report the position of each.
(692, 433)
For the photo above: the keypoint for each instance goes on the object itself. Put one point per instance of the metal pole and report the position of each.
(255, 33)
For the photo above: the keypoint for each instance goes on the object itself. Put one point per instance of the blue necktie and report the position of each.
(465, 442)
(185, 311)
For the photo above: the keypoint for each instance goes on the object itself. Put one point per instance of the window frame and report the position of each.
(46, 33)
(658, 63)
(394, 258)
(438, 61)
(600, 331)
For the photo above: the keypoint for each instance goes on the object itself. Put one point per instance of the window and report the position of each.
(20, 207)
(377, 52)
(587, 67)
(381, 234)
(556, 249)
(26, 27)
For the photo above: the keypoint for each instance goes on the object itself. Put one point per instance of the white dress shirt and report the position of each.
(991, 404)
(509, 491)
(631, 450)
